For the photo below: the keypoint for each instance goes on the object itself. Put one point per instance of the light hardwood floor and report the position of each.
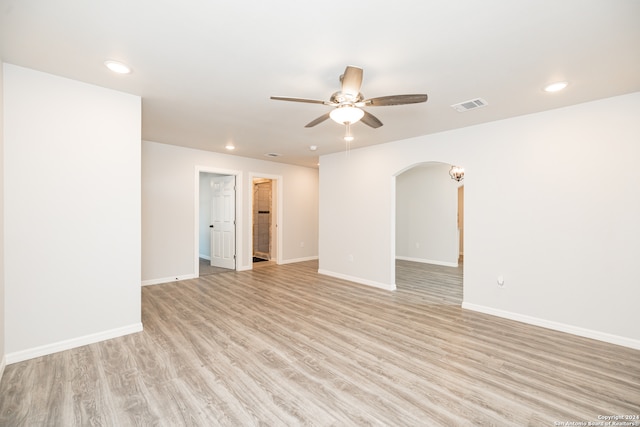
(284, 346)
(205, 268)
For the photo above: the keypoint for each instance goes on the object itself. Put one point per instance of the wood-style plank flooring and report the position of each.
(284, 346)
(205, 268)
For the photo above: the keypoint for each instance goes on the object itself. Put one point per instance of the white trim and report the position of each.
(359, 280)
(168, 279)
(3, 363)
(394, 228)
(294, 260)
(203, 256)
(428, 261)
(556, 326)
(44, 350)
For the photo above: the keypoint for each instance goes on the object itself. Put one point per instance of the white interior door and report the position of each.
(223, 222)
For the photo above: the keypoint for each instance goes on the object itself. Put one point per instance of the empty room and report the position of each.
(346, 213)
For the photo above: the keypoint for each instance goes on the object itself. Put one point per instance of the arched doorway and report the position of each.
(428, 229)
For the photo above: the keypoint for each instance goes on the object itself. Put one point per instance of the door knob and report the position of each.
(211, 226)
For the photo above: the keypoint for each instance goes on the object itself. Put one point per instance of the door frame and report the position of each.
(277, 201)
(238, 213)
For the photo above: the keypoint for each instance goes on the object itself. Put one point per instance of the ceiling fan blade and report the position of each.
(310, 101)
(395, 100)
(351, 80)
(370, 120)
(317, 121)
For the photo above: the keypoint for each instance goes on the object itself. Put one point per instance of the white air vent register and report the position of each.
(469, 105)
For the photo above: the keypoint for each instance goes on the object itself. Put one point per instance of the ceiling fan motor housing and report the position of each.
(339, 98)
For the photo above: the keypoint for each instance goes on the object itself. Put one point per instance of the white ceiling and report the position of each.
(205, 69)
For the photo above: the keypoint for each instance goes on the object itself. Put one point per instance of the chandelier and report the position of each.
(456, 173)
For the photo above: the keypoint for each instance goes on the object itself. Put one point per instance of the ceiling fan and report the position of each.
(348, 102)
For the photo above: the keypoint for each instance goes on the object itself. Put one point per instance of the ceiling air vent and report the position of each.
(469, 105)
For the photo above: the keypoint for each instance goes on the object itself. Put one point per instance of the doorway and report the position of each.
(428, 221)
(266, 201)
(263, 229)
(216, 223)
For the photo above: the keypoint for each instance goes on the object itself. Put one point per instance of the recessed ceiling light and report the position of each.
(313, 147)
(117, 67)
(555, 87)
(230, 146)
(272, 154)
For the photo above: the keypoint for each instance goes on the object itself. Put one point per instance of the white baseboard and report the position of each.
(294, 260)
(168, 279)
(556, 326)
(428, 261)
(379, 285)
(207, 257)
(44, 350)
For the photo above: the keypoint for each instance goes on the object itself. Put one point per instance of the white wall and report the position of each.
(551, 203)
(72, 213)
(169, 187)
(2, 306)
(426, 215)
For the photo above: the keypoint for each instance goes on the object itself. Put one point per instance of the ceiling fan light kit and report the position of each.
(348, 103)
(346, 114)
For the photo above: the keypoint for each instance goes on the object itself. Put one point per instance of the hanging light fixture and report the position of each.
(346, 114)
(456, 173)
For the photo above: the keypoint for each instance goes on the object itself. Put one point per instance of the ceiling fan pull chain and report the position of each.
(348, 138)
